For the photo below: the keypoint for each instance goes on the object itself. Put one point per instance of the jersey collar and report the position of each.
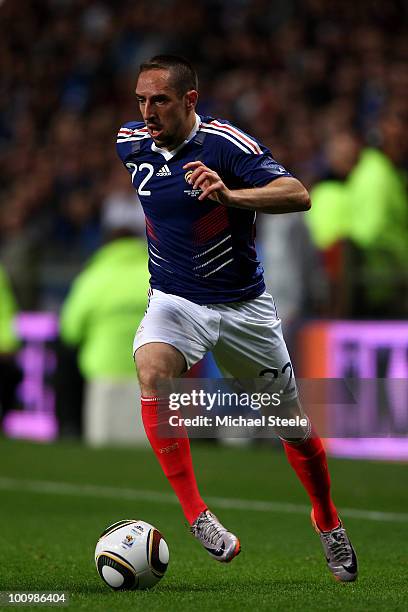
(170, 154)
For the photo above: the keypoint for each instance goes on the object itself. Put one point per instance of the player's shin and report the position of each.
(174, 456)
(308, 458)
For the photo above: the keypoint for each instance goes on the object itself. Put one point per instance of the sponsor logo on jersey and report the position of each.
(164, 171)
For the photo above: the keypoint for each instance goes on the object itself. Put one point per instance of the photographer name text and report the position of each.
(239, 421)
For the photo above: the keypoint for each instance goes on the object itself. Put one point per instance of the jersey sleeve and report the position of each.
(249, 161)
(129, 134)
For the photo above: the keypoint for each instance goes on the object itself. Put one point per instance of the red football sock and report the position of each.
(308, 459)
(174, 457)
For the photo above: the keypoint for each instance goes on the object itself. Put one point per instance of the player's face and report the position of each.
(169, 118)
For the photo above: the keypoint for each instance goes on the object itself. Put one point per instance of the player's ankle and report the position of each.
(196, 515)
(326, 521)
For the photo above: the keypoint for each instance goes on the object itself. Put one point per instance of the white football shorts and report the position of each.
(245, 337)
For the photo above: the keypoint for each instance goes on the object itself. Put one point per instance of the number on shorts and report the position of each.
(275, 374)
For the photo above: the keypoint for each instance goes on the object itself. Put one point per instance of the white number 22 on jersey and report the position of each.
(144, 166)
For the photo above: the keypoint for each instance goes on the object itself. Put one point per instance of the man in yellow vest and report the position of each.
(9, 372)
(378, 221)
(105, 305)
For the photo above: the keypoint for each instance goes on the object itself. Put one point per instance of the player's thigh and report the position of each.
(188, 329)
(251, 344)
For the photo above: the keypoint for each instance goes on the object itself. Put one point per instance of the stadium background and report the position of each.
(322, 84)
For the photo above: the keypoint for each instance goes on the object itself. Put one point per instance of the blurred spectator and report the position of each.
(8, 309)
(379, 222)
(329, 220)
(20, 250)
(294, 73)
(329, 217)
(77, 230)
(293, 273)
(121, 203)
(10, 374)
(100, 317)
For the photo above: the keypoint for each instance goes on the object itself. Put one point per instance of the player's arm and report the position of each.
(282, 195)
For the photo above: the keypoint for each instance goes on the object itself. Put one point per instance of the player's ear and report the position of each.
(191, 98)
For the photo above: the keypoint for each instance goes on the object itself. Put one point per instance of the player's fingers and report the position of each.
(205, 176)
(204, 170)
(211, 189)
(193, 164)
(194, 175)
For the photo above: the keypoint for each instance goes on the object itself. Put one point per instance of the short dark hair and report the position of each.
(183, 75)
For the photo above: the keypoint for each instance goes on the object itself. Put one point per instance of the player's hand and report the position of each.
(208, 181)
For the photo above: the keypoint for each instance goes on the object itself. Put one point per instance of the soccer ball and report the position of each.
(131, 554)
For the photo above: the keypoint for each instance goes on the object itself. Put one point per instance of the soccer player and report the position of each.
(201, 181)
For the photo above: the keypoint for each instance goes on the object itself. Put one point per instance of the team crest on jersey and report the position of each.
(187, 175)
(193, 193)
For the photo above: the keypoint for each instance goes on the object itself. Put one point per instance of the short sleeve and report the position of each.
(129, 137)
(255, 169)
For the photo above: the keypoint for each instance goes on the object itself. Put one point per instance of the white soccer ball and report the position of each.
(131, 554)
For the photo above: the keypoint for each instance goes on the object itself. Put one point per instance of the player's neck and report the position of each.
(188, 128)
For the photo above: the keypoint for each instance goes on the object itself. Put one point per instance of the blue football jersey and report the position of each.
(199, 250)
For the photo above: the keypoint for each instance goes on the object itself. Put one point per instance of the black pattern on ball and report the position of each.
(130, 580)
(153, 546)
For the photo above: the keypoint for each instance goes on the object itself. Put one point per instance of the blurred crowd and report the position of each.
(321, 83)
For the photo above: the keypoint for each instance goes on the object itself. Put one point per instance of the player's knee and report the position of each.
(295, 425)
(156, 363)
(151, 375)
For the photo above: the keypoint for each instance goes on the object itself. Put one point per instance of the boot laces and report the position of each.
(209, 529)
(338, 545)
